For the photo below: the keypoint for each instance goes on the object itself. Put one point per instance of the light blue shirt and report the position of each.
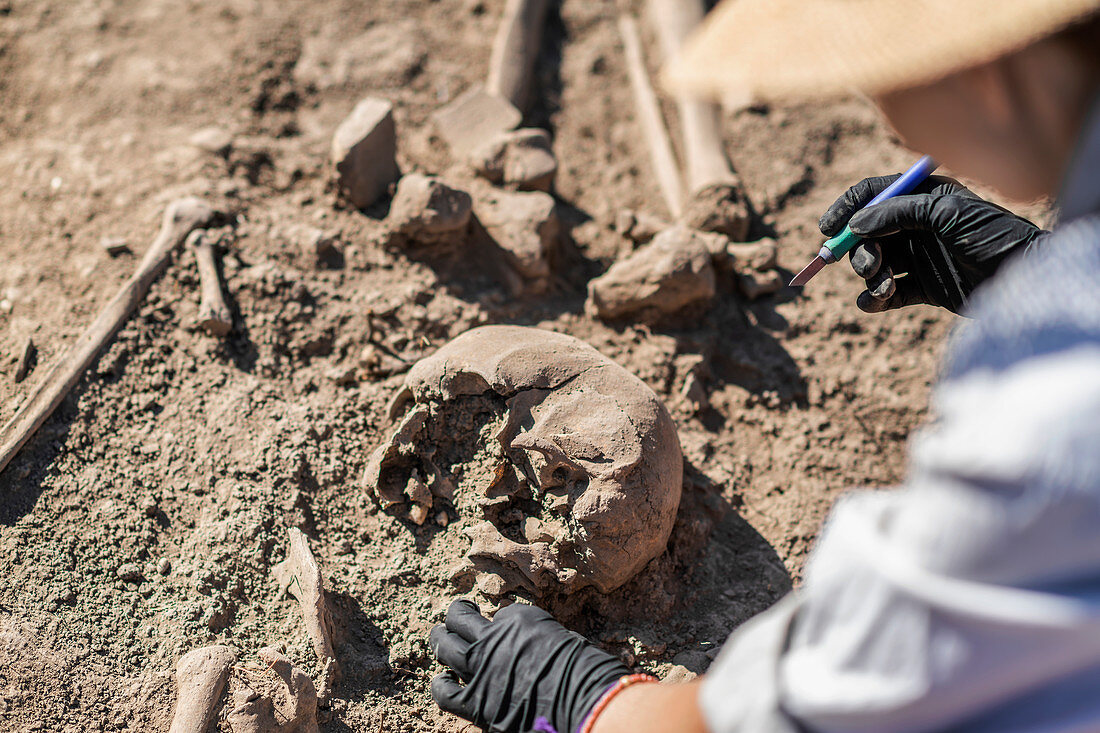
(969, 598)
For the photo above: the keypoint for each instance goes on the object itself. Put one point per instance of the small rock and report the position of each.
(526, 227)
(418, 514)
(213, 140)
(442, 519)
(341, 376)
(26, 357)
(130, 572)
(720, 207)
(164, 566)
(756, 285)
(473, 119)
(760, 255)
(149, 506)
(114, 246)
(535, 530)
(637, 226)
(364, 150)
(660, 278)
(679, 674)
(427, 210)
(694, 393)
(522, 159)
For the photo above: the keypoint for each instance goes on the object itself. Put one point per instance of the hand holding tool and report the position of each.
(836, 247)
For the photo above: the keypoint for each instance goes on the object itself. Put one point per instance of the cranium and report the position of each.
(567, 465)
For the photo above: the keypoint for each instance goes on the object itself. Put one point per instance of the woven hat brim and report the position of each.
(789, 49)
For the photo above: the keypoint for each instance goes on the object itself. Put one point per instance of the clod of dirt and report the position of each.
(201, 675)
(568, 465)
(753, 265)
(522, 159)
(213, 140)
(638, 226)
(289, 708)
(526, 226)
(428, 211)
(300, 576)
(473, 119)
(658, 279)
(721, 208)
(759, 256)
(364, 150)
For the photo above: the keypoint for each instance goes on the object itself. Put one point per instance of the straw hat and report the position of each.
(813, 48)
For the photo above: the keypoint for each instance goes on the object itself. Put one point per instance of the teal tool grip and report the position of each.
(841, 243)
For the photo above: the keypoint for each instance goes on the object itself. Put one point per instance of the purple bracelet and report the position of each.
(542, 725)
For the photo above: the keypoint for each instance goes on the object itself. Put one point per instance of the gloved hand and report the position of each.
(933, 246)
(518, 667)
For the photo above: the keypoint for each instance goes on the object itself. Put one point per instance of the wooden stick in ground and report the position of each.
(180, 218)
(649, 115)
(214, 315)
(515, 50)
(714, 197)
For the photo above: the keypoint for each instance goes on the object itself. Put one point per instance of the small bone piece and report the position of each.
(662, 277)
(25, 358)
(180, 218)
(715, 202)
(649, 114)
(520, 159)
(300, 576)
(201, 675)
(473, 119)
(364, 150)
(214, 315)
(515, 49)
(296, 711)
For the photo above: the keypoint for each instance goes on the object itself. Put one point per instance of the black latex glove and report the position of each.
(933, 246)
(518, 667)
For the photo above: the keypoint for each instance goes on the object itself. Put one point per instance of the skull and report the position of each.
(565, 467)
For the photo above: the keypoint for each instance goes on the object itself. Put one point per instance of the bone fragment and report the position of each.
(659, 279)
(201, 675)
(214, 315)
(515, 49)
(710, 178)
(296, 711)
(180, 218)
(25, 358)
(364, 150)
(300, 576)
(649, 114)
(473, 119)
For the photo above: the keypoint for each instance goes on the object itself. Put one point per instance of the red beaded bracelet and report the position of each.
(624, 682)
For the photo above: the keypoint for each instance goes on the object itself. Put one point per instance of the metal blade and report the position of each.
(808, 272)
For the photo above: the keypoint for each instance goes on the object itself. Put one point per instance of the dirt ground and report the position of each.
(144, 518)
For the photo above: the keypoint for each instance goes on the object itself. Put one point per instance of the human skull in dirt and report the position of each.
(564, 468)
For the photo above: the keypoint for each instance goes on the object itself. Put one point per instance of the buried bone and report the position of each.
(300, 576)
(201, 675)
(291, 709)
(577, 440)
(214, 314)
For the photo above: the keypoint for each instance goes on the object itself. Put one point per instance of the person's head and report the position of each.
(1012, 122)
(994, 90)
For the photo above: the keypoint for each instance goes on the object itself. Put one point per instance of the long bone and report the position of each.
(201, 675)
(515, 49)
(180, 218)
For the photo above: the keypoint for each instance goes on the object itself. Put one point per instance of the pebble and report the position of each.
(114, 246)
(213, 140)
(522, 159)
(473, 119)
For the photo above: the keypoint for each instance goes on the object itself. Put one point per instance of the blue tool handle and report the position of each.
(836, 247)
